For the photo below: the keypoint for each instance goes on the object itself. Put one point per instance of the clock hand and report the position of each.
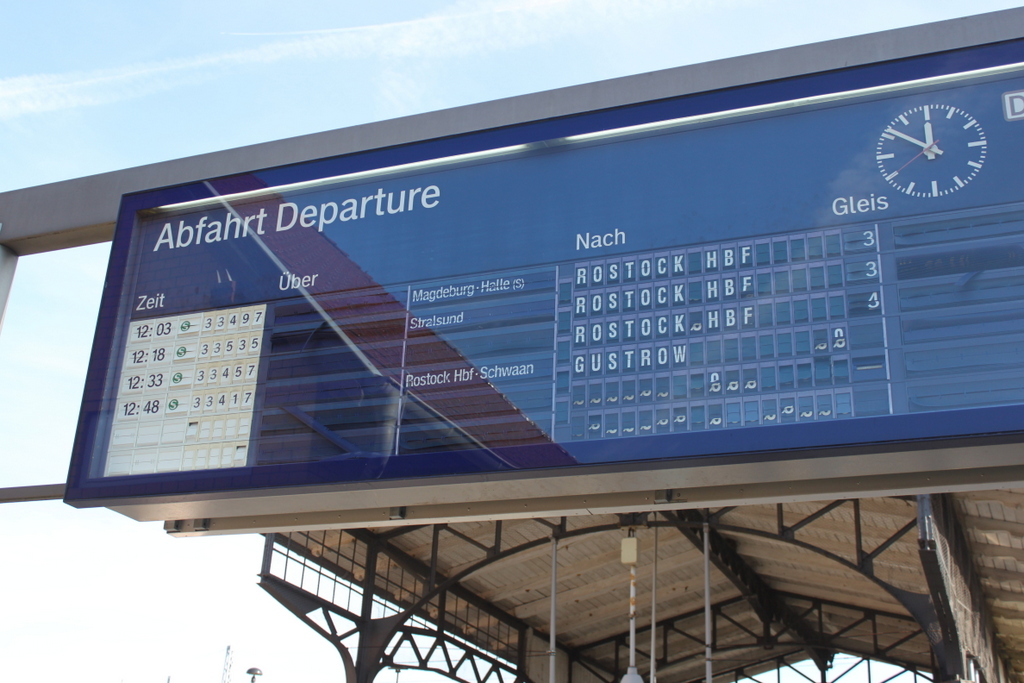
(917, 142)
(929, 141)
(923, 151)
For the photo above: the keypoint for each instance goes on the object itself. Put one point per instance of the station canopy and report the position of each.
(893, 580)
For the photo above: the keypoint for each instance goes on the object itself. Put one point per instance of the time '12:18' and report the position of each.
(142, 355)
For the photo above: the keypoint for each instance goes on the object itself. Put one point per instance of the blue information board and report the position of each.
(801, 265)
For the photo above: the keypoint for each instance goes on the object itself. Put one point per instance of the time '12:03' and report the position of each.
(145, 330)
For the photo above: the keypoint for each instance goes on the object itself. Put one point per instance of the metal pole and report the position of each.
(654, 611)
(8, 262)
(707, 603)
(632, 617)
(552, 646)
(630, 555)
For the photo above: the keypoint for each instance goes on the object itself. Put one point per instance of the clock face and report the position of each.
(931, 150)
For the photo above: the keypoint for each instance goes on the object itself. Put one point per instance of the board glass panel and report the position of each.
(736, 273)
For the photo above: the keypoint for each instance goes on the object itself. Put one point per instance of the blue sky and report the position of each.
(87, 87)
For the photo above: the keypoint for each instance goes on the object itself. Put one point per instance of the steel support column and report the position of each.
(965, 639)
(8, 263)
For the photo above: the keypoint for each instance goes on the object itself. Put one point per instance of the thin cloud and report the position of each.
(459, 32)
(412, 23)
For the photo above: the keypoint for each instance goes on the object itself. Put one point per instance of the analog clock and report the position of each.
(931, 150)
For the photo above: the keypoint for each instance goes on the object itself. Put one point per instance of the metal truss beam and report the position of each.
(369, 643)
(764, 600)
(302, 605)
(380, 638)
(420, 632)
(689, 626)
(439, 584)
(787, 661)
(918, 604)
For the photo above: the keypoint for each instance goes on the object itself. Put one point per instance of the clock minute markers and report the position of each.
(950, 168)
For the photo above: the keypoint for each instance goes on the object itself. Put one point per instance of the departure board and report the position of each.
(839, 269)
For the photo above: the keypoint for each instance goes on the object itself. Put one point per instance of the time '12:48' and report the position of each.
(220, 401)
(132, 408)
